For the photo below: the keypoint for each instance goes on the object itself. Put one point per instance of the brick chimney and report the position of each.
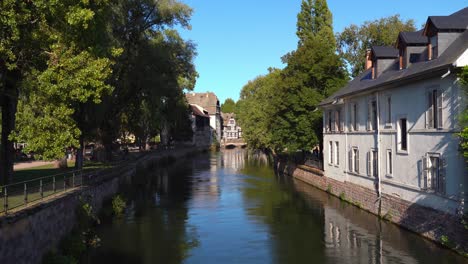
(368, 59)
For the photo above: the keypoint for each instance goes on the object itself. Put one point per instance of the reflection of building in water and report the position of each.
(356, 244)
(352, 236)
(206, 187)
(233, 158)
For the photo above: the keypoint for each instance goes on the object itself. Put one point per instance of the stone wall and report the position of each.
(425, 221)
(26, 235)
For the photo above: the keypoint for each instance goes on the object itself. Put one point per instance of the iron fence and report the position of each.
(22, 194)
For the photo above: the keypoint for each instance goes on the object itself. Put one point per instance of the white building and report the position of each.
(230, 128)
(393, 128)
(209, 101)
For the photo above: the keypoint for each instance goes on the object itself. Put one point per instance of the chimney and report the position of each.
(368, 59)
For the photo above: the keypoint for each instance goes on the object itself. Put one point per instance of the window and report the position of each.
(403, 134)
(330, 158)
(415, 57)
(354, 160)
(434, 173)
(388, 120)
(372, 116)
(434, 111)
(354, 117)
(337, 153)
(389, 163)
(337, 120)
(329, 126)
(372, 163)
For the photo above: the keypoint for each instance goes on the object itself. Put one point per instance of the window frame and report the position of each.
(330, 154)
(389, 163)
(337, 153)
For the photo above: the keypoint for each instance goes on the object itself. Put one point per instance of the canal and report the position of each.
(227, 208)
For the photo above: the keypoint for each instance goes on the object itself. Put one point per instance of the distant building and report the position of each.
(394, 126)
(200, 126)
(210, 103)
(230, 128)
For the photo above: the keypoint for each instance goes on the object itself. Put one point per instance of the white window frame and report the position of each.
(434, 109)
(400, 136)
(388, 111)
(389, 157)
(440, 188)
(354, 119)
(337, 153)
(354, 159)
(372, 164)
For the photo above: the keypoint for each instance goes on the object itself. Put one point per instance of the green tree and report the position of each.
(354, 40)
(313, 18)
(463, 75)
(229, 106)
(74, 75)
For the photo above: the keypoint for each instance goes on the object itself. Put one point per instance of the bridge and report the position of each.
(233, 143)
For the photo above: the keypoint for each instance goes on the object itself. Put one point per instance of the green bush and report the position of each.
(118, 205)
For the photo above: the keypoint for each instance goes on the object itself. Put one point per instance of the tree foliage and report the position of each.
(463, 75)
(354, 40)
(74, 70)
(279, 111)
(229, 106)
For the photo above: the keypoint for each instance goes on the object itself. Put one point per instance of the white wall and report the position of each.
(408, 101)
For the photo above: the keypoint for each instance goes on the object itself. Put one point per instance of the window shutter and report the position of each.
(337, 146)
(424, 173)
(350, 160)
(369, 164)
(356, 118)
(357, 161)
(429, 111)
(440, 99)
(442, 176)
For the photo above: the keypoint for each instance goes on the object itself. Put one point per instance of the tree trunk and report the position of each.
(7, 151)
(80, 154)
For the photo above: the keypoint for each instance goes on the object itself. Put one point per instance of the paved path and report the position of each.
(30, 164)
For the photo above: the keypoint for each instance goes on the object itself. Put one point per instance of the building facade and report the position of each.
(209, 101)
(202, 136)
(231, 130)
(393, 128)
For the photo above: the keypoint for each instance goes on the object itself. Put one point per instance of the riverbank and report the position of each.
(26, 235)
(442, 228)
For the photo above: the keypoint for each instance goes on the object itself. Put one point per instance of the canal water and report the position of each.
(231, 208)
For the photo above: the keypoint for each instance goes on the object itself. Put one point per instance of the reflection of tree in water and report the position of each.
(296, 228)
(154, 228)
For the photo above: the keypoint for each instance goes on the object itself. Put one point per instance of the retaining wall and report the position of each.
(26, 235)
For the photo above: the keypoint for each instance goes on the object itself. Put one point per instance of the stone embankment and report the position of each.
(26, 235)
(437, 226)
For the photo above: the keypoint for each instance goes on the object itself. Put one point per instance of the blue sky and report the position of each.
(238, 40)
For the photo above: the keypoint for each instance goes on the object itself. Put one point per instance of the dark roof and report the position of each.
(447, 22)
(198, 110)
(413, 38)
(457, 20)
(380, 52)
(208, 101)
(227, 117)
(393, 76)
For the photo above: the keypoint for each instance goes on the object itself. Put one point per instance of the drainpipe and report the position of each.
(446, 74)
(379, 189)
(346, 131)
(379, 182)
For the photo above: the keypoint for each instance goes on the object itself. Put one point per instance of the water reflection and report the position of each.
(232, 208)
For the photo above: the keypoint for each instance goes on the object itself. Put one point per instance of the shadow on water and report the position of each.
(232, 208)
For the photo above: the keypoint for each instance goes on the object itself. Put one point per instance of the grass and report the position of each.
(49, 170)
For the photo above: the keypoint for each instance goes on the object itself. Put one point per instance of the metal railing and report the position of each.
(20, 194)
